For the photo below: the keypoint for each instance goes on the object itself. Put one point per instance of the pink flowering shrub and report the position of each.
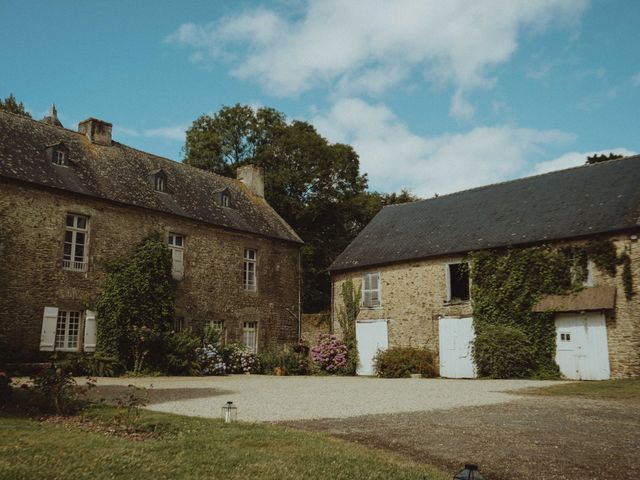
(329, 354)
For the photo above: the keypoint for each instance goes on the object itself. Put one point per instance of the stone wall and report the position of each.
(32, 223)
(413, 298)
(313, 324)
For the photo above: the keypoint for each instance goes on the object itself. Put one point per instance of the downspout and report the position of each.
(299, 295)
(331, 305)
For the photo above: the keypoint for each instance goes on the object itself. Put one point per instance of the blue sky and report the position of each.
(435, 96)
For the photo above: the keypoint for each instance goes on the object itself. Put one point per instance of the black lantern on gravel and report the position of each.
(470, 472)
(229, 413)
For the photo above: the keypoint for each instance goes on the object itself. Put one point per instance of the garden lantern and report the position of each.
(229, 413)
(470, 472)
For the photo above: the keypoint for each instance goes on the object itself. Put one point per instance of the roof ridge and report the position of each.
(514, 180)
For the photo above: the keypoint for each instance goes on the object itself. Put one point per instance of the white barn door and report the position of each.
(582, 351)
(456, 338)
(371, 337)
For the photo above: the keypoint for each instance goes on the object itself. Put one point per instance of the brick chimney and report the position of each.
(252, 177)
(97, 131)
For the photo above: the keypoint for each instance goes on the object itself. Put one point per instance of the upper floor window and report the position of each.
(224, 200)
(176, 244)
(457, 277)
(371, 290)
(75, 242)
(249, 270)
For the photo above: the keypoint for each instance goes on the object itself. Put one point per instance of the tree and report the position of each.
(136, 307)
(10, 104)
(314, 185)
(602, 158)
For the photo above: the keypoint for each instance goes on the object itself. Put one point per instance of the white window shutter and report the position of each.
(48, 335)
(177, 269)
(90, 331)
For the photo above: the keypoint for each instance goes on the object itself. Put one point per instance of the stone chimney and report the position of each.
(52, 118)
(252, 177)
(97, 131)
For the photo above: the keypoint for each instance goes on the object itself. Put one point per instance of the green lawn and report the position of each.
(190, 448)
(607, 389)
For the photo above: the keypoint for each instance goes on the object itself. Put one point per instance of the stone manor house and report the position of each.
(415, 291)
(71, 201)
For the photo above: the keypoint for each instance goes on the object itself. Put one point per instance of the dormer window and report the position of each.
(158, 181)
(223, 198)
(159, 184)
(58, 154)
(60, 157)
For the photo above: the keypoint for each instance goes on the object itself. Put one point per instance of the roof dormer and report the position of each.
(58, 154)
(158, 179)
(223, 198)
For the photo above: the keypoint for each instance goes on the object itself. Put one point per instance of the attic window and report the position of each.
(224, 200)
(60, 157)
(159, 184)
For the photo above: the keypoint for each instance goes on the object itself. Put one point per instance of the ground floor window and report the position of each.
(250, 336)
(219, 326)
(67, 330)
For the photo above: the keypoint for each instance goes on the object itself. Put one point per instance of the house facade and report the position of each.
(73, 201)
(410, 264)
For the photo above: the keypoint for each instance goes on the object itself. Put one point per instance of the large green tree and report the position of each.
(314, 185)
(10, 104)
(596, 158)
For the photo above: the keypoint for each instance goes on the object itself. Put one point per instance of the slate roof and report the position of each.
(121, 174)
(576, 202)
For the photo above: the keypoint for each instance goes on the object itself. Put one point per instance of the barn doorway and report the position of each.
(371, 336)
(456, 338)
(582, 350)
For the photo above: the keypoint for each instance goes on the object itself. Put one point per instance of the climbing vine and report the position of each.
(136, 307)
(506, 285)
(347, 316)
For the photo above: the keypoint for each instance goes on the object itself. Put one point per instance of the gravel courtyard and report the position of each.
(271, 399)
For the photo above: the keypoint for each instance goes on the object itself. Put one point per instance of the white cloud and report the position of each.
(575, 159)
(175, 132)
(366, 46)
(395, 158)
(635, 80)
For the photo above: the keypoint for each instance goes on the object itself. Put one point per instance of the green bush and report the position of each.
(90, 364)
(181, 357)
(401, 362)
(292, 359)
(56, 391)
(502, 351)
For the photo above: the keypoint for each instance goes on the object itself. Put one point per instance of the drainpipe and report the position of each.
(331, 304)
(299, 295)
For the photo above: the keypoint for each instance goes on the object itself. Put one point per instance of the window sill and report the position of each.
(455, 302)
(379, 307)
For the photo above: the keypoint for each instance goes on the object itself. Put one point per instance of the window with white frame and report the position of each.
(457, 276)
(176, 245)
(60, 157)
(67, 330)
(371, 290)
(249, 270)
(75, 242)
(159, 183)
(219, 326)
(224, 200)
(250, 336)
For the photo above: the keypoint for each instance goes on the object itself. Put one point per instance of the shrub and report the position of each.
(329, 354)
(211, 360)
(240, 360)
(503, 351)
(181, 357)
(93, 365)
(401, 362)
(57, 392)
(292, 359)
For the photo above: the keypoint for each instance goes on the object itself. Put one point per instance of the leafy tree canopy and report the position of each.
(602, 158)
(314, 185)
(10, 104)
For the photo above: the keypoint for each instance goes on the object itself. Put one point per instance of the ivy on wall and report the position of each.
(506, 285)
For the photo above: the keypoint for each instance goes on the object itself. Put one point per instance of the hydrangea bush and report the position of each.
(329, 354)
(211, 360)
(241, 360)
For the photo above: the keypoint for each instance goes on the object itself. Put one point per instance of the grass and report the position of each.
(607, 389)
(189, 448)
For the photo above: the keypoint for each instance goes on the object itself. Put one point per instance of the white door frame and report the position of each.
(369, 343)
